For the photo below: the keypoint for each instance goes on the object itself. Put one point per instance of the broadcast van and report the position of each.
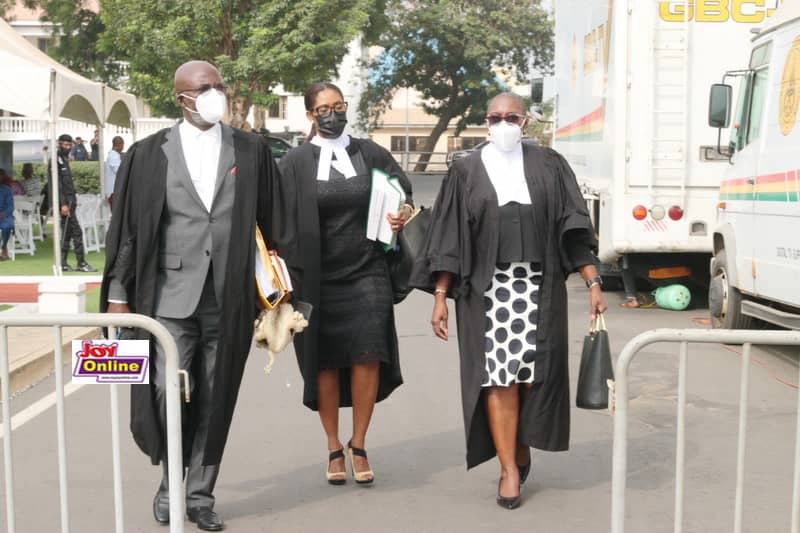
(632, 80)
(755, 269)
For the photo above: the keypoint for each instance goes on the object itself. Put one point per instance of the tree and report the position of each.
(256, 44)
(456, 53)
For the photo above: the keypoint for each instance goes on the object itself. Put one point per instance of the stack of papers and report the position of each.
(273, 282)
(387, 196)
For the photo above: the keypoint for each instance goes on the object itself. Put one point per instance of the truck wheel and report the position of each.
(725, 300)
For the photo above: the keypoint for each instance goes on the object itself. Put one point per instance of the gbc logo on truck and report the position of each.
(748, 11)
(790, 89)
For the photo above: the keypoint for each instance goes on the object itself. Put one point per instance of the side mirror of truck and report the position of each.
(719, 106)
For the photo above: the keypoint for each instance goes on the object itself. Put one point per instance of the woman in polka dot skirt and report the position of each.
(509, 225)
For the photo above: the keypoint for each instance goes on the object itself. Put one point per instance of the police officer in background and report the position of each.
(70, 229)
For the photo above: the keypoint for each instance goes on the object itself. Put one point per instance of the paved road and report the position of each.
(273, 474)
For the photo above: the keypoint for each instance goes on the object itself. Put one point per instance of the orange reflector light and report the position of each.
(722, 205)
(669, 272)
(639, 212)
(675, 212)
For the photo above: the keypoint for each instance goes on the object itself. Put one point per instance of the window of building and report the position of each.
(463, 143)
(278, 109)
(41, 42)
(415, 143)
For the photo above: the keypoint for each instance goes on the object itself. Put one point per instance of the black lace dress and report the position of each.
(355, 291)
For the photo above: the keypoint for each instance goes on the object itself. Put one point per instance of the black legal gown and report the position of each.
(463, 239)
(321, 233)
(131, 258)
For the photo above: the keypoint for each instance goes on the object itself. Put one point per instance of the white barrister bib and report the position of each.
(329, 148)
(507, 173)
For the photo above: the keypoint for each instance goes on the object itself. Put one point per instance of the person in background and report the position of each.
(113, 161)
(16, 187)
(6, 214)
(78, 152)
(348, 355)
(94, 144)
(508, 226)
(68, 203)
(32, 186)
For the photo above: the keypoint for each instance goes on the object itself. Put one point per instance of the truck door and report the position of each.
(736, 192)
(776, 212)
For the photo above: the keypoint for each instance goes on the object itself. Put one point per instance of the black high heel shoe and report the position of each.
(524, 470)
(508, 503)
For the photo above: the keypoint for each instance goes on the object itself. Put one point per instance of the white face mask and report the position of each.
(505, 136)
(210, 106)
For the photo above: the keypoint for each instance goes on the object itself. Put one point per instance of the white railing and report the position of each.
(23, 126)
(27, 129)
(174, 445)
(684, 337)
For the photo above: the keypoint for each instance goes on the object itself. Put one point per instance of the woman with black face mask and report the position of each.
(348, 354)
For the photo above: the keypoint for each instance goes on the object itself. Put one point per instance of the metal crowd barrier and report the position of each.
(744, 337)
(174, 453)
(436, 165)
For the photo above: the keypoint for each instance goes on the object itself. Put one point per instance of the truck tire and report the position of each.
(725, 300)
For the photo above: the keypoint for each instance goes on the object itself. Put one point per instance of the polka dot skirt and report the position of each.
(512, 308)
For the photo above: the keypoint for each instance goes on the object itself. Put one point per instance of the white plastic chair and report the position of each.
(85, 212)
(22, 239)
(38, 222)
(102, 220)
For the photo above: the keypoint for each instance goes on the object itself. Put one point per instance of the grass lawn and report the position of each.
(3, 307)
(93, 300)
(41, 263)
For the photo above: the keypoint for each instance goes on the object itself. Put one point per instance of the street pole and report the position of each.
(405, 154)
(55, 202)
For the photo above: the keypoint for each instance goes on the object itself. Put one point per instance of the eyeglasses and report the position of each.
(511, 118)
(221, 87)
(323, 110)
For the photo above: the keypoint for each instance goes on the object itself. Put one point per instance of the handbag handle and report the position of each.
(598, 324)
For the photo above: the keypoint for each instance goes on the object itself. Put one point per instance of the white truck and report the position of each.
(631, 83)
(755, 270)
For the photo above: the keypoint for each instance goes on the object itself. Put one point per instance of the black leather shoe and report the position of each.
(86, 267)
(206, 519)
(160, 512)
(508, 503)
(66, 268)
(523, 472)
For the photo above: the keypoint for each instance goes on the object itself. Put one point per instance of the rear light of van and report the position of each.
(639, 212)
(658, 212)
(675, 212)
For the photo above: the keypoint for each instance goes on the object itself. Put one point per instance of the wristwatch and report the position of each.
(597, 280)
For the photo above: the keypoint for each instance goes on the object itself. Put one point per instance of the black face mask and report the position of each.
(332, 125)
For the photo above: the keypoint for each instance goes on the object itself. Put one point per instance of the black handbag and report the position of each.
(595, 367)
(409, 244)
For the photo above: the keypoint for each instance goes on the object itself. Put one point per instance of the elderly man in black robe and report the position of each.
(181, 249)
(508, 226)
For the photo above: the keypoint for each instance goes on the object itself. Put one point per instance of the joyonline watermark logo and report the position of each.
(101, 361)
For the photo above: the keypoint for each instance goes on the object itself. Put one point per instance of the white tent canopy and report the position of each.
(25, 87)
(29, 74)
(36, 86)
